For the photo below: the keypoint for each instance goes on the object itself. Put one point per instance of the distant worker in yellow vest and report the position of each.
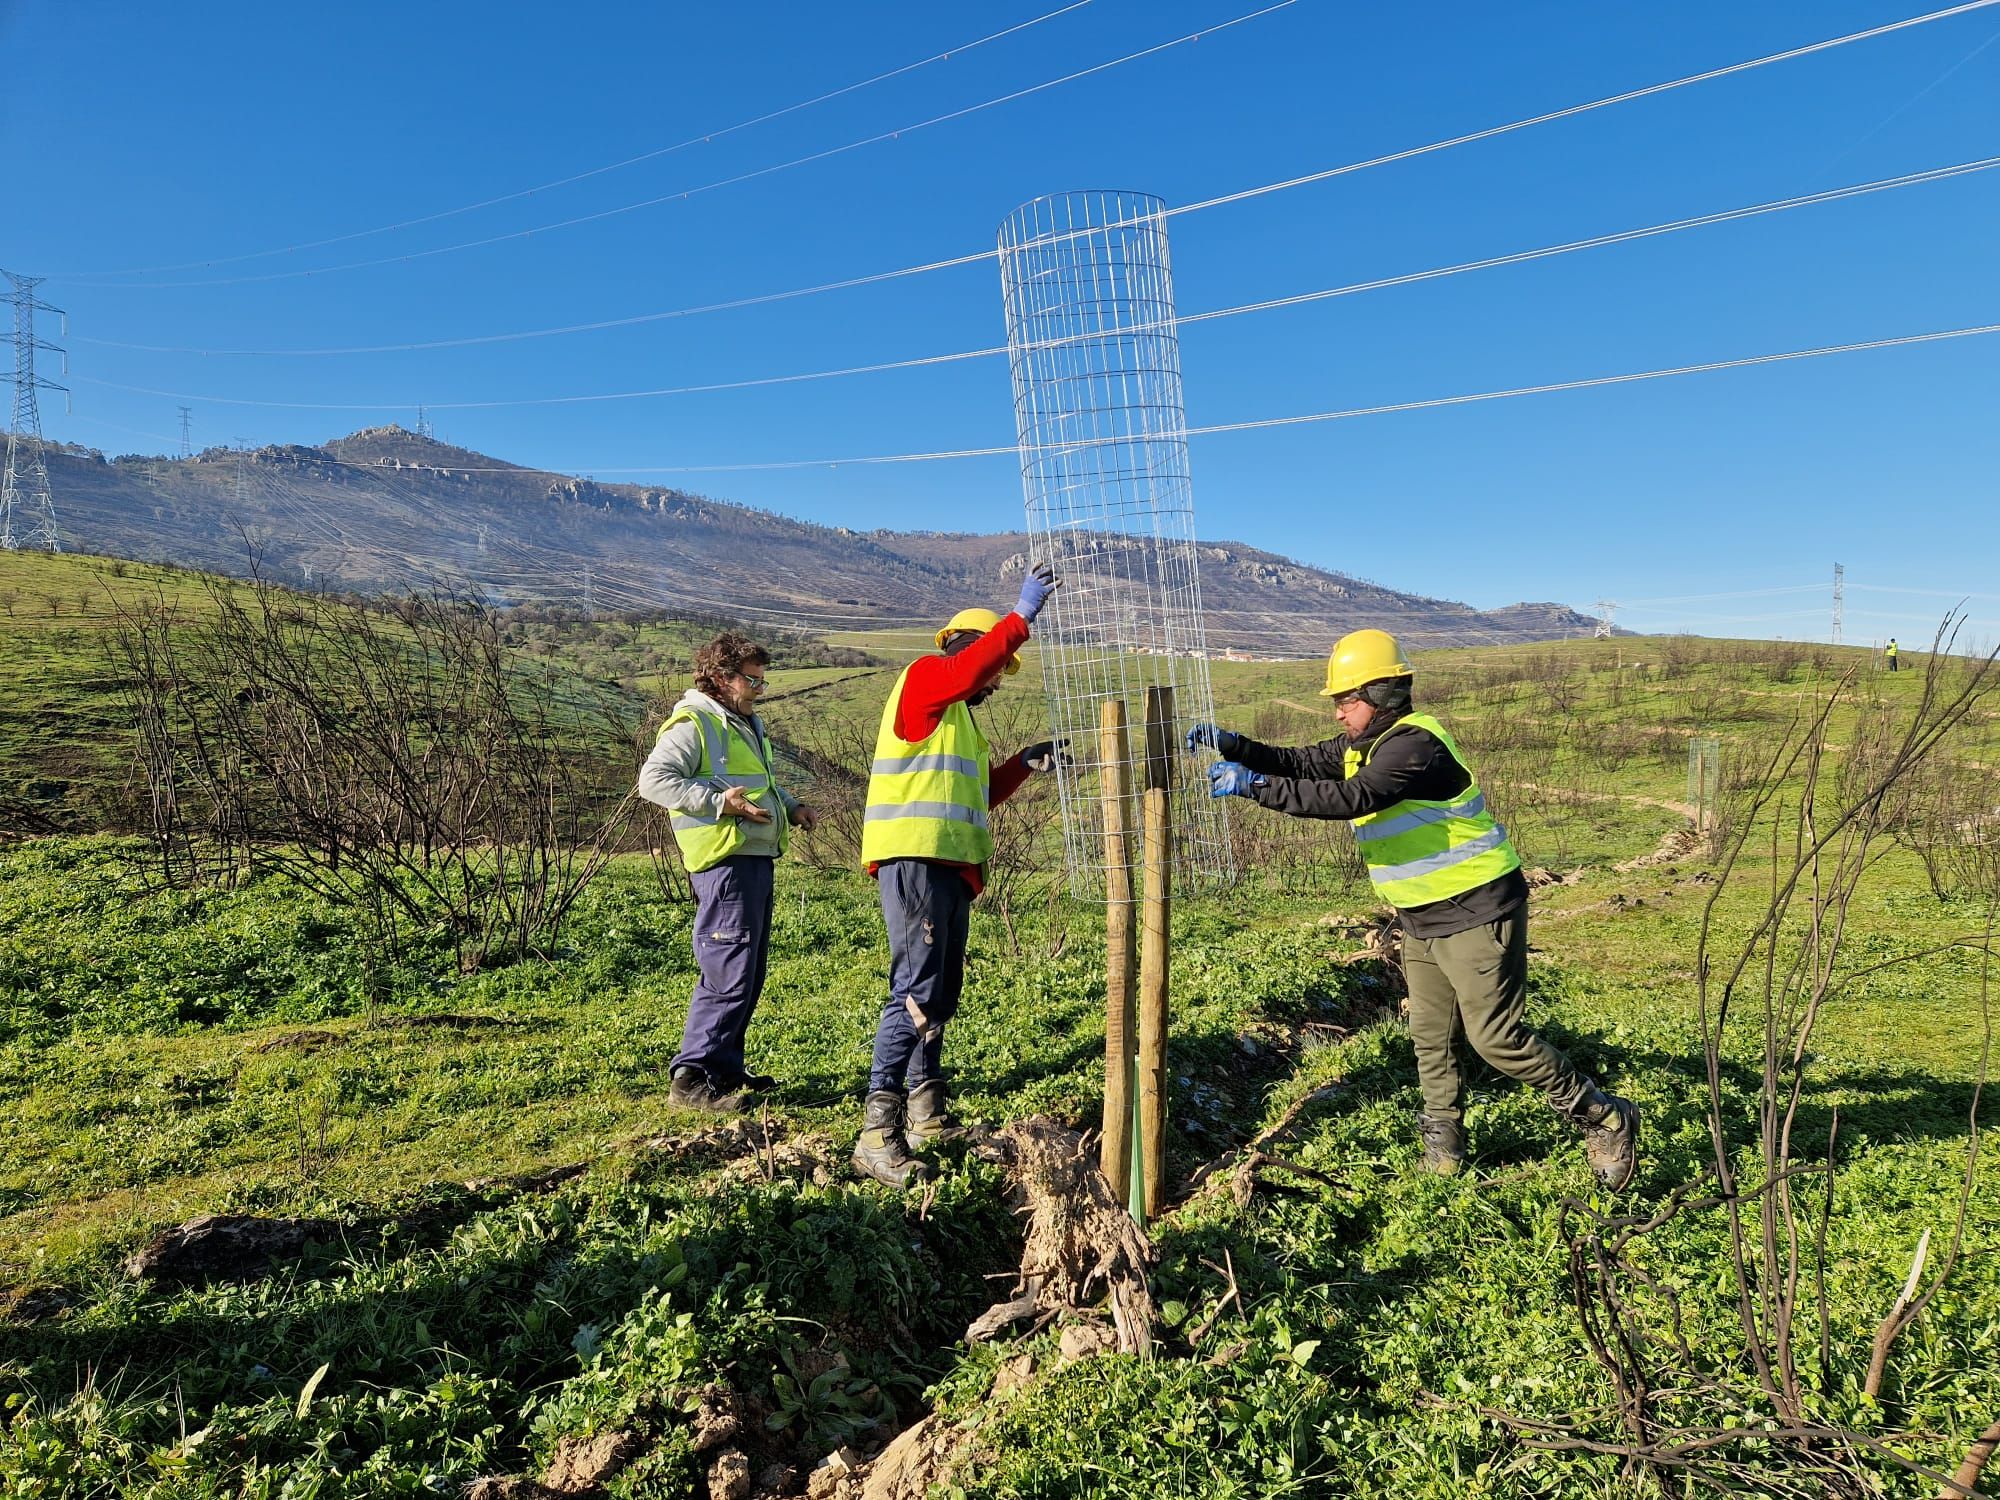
(1890, 652)
(1437, 855)
(712, 770)
(926, 840)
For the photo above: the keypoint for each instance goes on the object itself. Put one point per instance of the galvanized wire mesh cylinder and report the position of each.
(1094, 350)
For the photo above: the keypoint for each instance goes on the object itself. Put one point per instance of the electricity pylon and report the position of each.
(25, 484)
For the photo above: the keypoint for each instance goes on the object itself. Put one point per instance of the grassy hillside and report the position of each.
(507, 1241)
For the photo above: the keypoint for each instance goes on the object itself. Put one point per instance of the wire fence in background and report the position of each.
(1094, 351)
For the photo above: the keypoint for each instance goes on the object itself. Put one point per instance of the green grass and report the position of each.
(164, 1055)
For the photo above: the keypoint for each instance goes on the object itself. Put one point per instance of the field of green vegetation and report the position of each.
(499, 1251)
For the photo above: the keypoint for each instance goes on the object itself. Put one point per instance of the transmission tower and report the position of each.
(187, 444)
(1839, 599)
(1607, 610)
(423, 424)
(589, 594)
(26, 480)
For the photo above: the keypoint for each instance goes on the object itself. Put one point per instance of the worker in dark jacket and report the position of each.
(1437, 855)
(925, 838)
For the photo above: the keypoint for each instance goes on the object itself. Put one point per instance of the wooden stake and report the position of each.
(1158, 840)
(1120, 948)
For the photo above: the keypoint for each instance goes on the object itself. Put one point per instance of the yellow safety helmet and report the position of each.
(1361, 657)
(981, 620)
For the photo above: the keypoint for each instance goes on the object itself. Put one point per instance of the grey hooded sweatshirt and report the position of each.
(668, 777)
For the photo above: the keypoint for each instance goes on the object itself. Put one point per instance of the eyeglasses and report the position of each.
(1347, 699)
(757, 683)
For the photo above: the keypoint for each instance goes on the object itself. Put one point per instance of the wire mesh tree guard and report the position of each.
(1094, 351)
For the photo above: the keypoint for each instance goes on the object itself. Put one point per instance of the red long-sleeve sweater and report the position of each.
(934, 683)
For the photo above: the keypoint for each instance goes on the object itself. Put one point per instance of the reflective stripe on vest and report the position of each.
(927, 799)
(727, 759)
(1419, 851)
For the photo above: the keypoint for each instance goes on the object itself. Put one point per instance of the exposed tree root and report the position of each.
(1081, 1244)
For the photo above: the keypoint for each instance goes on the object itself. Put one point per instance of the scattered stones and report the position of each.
(827, 1475)
(717, 1420)
(729, 1475)
(1014, 1373)
(1086, 1339)
(505, 1487)
(581, 1465)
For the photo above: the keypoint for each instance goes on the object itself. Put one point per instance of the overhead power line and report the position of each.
(1385, 409)
(682, 194)
(1781, 205)
(701, 138)
(1242, 195)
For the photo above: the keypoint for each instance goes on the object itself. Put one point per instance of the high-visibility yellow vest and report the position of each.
(927, 798)
(1892, 650)
(727, 759)
(1419, 851)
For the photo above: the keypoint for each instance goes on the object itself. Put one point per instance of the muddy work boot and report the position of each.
(881, 1153)
(693, 1089)
(1610, 1127)
(929, 1118)
(1444, 1144)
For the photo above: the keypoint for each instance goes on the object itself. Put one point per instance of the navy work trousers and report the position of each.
(927, 908)
(732, 942)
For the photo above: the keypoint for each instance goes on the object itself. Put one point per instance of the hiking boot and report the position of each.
(880, 1153)
(1444, 1144)
(1610, 1127)
(929, 1118)
(693, 1089)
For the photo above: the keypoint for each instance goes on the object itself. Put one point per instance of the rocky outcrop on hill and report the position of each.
(386, 509)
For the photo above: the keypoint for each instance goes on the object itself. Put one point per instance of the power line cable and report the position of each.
(740, 177)
(1788, 588)
(1883, 588)
(1385, 409)
(1235, 197)
(702, 139)
(1579, 109)
(1935, 174)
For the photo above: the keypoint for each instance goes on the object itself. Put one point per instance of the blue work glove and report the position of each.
(1224, 742)
(1040, 582)
(1229, 778)
(1046, 755)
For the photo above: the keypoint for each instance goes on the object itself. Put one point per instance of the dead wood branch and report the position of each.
(1081, 1243)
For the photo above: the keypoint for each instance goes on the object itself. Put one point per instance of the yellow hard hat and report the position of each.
(1363, 656)
(981, 620)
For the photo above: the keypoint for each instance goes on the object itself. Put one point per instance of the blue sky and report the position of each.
(157, 137)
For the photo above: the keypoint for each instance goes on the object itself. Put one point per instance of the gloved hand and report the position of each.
(1046, 755)
(1040, 582)
(1224, 742)
(1229, 778)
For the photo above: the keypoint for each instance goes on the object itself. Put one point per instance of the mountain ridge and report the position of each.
(384, 508)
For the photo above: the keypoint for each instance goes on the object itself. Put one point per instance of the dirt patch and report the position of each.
(299, 1041)
(1673, 848)
(450, 1021)
(580, 1466)
(542, 1180)
(35, 1304)
(224, 1247)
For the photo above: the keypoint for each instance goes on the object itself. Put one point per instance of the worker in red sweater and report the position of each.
(926, 841)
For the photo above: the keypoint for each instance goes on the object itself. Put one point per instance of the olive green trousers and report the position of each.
(1476, 982)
